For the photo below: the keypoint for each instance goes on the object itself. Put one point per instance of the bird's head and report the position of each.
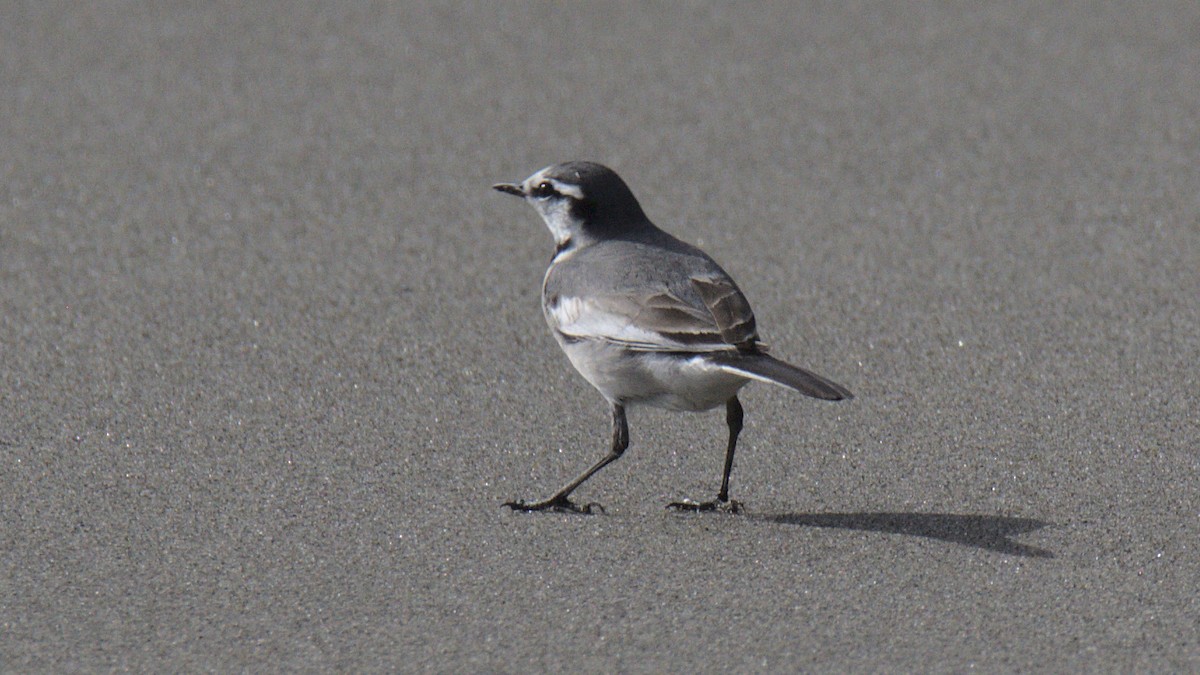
(580, 201)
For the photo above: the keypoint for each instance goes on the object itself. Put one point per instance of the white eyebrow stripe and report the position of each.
(566, 188)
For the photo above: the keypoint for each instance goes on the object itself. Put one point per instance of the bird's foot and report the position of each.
(560, 504)
(725, 505)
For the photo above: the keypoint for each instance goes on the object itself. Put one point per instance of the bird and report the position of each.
(647, 319)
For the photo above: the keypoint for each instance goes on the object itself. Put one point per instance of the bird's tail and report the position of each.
(759, 366)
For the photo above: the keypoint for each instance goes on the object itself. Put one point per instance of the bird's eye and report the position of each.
(543, 190)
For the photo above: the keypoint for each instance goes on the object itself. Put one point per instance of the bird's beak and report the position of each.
(509, 188)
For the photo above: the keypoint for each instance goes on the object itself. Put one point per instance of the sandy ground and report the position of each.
(273, 356)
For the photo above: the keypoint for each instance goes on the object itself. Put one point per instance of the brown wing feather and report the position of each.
(684, 326)
(730, 309)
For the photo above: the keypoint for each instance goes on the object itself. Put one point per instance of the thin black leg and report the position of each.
(559, 501)
(733, 418)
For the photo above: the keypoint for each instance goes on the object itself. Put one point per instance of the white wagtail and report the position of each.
(645, 317)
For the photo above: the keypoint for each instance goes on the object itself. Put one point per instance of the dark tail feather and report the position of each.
(770, 369)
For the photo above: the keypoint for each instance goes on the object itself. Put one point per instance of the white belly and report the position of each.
(658, 379)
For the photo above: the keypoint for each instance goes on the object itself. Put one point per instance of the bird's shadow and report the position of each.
(991, 533)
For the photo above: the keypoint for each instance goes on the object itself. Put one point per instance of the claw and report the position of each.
(562, 505)
(729, 506)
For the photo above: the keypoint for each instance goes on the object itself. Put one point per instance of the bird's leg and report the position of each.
(733, 418)
(559, 501)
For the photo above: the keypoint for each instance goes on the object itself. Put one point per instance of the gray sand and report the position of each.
(273, 357)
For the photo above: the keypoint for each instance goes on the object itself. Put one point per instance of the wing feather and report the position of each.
(729, 309)
(652, 294)
(650, 324)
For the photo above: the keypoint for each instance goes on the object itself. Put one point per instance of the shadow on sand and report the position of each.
(991, 533)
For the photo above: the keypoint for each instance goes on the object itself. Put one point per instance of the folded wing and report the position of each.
(649, 324)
